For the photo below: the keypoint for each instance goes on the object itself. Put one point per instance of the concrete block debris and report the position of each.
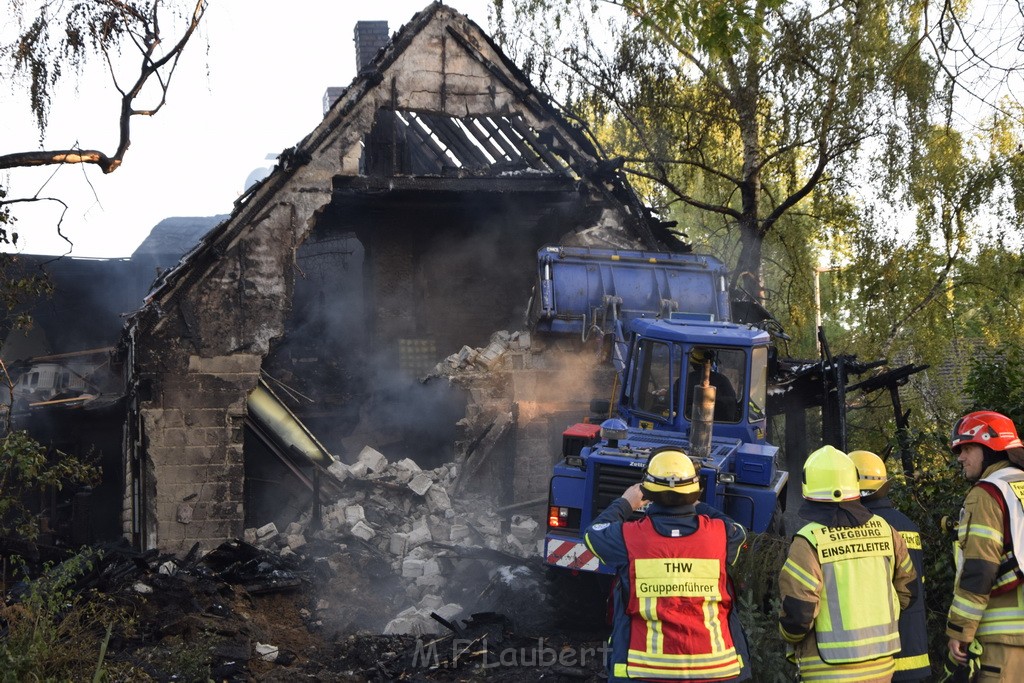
(415, 529)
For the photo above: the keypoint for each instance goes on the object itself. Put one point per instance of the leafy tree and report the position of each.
(26, 467)
(784, 133)
(996, 381)
(57, 35)
(744, 117)
(26, 470)
(17, 289)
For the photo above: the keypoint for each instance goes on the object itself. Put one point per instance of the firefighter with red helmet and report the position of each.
(673, 600)
(845, 580)
(988, 601)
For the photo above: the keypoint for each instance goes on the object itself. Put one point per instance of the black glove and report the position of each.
(954, 672)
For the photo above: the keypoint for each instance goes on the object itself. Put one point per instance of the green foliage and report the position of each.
(767, 648)
(755, 576)
(54, 632)
(7, 234)
(57, 37)
(936, 492)
(27, 469)
(995, 381)
(18, 287)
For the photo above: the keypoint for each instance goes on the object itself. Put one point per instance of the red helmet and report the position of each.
(987, 428)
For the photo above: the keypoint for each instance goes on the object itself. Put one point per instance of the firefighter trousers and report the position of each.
(1000, 662)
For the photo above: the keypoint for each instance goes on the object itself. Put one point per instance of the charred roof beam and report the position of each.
(411, 142)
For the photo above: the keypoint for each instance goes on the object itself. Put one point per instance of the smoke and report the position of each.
(571, 377)
(360, 389)
(421, 417)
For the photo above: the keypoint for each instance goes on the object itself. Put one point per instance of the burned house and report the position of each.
(399, 231)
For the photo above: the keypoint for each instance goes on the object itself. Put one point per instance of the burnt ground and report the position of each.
(241, 613)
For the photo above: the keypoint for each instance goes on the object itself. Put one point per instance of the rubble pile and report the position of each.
(483, 359)
(433, 547)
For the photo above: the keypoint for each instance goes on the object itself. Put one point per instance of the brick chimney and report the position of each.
(370, 37)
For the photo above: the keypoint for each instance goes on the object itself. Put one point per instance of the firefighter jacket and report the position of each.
(912, 661)
(837, 634)
(988, 603)
(663, 628)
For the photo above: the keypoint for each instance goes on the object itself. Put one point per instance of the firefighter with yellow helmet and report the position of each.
(673, 600)
(986, 618)
(912, 661)
(846, 578)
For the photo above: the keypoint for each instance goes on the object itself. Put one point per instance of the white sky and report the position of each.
(251, 85)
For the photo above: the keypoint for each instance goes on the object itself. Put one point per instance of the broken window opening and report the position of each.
(408, 142)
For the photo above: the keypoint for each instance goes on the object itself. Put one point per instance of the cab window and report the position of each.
(651, 385)
(758, 384)
(725, 369)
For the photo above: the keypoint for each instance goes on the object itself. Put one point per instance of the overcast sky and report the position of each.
(250, 86)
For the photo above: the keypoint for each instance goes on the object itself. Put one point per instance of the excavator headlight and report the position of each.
(726, 478)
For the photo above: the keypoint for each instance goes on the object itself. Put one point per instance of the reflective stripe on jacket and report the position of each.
(988, 598)
(856, 562)
(1009, 481)
(680, 604)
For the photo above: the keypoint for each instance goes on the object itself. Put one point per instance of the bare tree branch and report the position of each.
(161, 70)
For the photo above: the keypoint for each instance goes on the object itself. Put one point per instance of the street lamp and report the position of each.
(817, 302)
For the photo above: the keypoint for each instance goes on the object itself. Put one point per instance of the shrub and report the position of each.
(53, 631)
(995, 381)
(26, 469)
(937, 491)
(756, 578)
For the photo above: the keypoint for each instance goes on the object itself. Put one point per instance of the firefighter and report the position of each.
(845, 580)
(673, 600)
(988, 605)
(912, 661)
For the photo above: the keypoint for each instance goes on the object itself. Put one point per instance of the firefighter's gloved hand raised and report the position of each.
(634, 495)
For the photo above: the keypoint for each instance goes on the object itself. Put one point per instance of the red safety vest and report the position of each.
(679, 604)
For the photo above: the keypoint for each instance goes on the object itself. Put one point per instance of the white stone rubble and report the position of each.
(408, 514)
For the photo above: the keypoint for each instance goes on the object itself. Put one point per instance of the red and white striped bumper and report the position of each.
(570, 555)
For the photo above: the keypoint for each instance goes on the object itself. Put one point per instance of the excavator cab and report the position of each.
(679, 370)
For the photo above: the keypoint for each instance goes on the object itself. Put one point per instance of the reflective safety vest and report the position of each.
(859, 608)
(1009, 481)
(679, 604)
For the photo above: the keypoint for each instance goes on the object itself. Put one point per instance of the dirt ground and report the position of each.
(243, 614)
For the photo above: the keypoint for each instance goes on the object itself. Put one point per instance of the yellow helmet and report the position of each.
(670, 470)
(830, 476)
(699, 355)
(871, 471)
